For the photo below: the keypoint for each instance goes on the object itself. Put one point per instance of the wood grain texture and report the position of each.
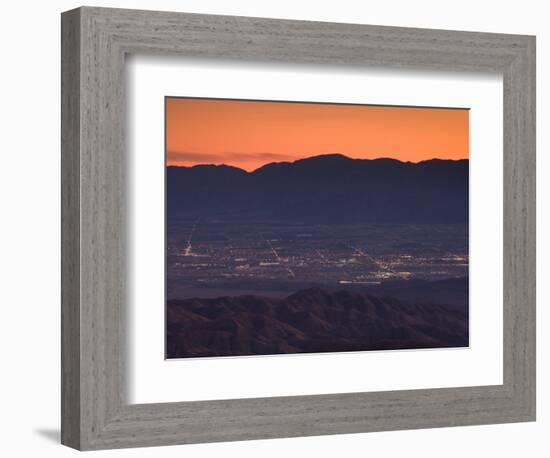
(96, 414)
(70, 229)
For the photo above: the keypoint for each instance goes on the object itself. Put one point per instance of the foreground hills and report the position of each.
(311, 320)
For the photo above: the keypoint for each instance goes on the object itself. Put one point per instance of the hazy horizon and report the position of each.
(313, 156)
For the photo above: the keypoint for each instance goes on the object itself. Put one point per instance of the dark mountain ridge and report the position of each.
(324, 189)
(311, 320)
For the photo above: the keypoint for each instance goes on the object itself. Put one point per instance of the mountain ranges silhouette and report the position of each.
(324, 189)
(312, 320)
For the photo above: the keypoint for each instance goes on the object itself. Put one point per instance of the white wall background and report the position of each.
(29, 229)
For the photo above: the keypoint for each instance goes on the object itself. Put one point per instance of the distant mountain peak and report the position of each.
(216, 166)
(329, 156)
(330, 188)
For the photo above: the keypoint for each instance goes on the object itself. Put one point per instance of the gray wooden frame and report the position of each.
(95, 413)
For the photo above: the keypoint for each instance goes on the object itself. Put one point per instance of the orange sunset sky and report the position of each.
(249, 134)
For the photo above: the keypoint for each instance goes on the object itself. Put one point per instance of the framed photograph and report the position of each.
(276, 228)
(274, 251)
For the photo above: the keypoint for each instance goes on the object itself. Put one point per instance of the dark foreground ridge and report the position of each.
(309, 321)
(324, 189)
